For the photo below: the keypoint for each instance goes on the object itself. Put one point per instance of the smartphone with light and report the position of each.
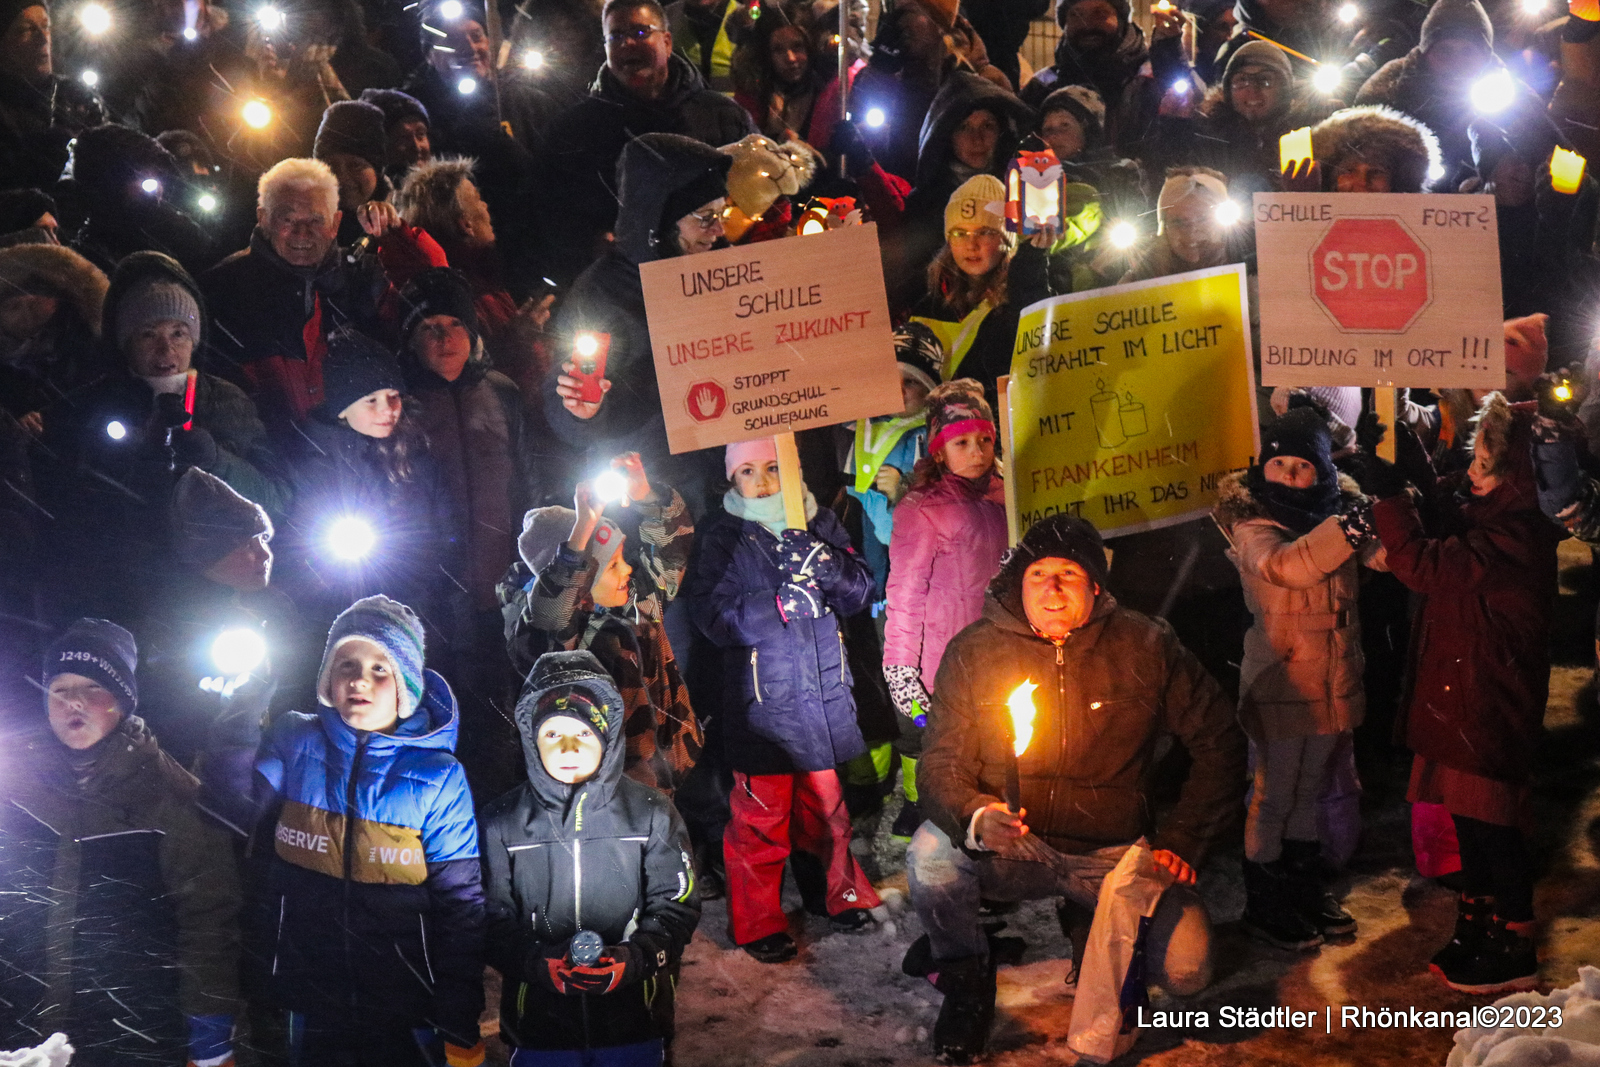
(589, 350)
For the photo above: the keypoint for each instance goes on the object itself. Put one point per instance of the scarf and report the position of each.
(1301, 510)
(766, 510)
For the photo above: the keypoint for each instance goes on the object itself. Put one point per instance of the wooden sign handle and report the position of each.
(1384, 404)
(789, 480)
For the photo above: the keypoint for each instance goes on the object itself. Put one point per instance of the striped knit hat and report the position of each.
(391, 626)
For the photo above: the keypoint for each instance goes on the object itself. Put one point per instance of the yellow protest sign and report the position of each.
(1129, 404)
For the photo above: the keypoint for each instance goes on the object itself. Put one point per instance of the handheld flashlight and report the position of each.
(116, 430)
(269, 18)
(207, 202)
(351, 539)
(95, 19)
(1562, 391)
(1348, 13)
(533, 59)
(89, 78)
(586, 948)
(1228, 212)
(191, 34)
(1533, 7)
(1493, 92)
(151, 186)
(1124, 235)
(256, 114)
(450, 9)
(876, 117)
(467, 86)
(1326, 79)
(610, 486)
(238, 651)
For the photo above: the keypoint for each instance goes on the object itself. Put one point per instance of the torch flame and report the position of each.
(1022, 711)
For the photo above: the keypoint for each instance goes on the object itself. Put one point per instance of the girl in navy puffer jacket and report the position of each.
(772, 598)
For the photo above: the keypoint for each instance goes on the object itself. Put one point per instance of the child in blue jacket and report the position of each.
(375, 908)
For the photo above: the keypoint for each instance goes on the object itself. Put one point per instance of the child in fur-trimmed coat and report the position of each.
(1299, 532)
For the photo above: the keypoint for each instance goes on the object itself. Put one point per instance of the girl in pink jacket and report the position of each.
(949, 535)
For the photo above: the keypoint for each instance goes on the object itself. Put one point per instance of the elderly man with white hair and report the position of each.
(275, 303)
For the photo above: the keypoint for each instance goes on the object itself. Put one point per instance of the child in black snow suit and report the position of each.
(580, 849)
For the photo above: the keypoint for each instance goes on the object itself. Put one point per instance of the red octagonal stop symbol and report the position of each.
(1371, 275)
(705, 400)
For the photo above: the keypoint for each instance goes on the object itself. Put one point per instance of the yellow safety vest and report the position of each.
(874, 442)
(721, 51)
(956, 337)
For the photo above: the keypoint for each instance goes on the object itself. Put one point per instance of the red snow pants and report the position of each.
(773, 813)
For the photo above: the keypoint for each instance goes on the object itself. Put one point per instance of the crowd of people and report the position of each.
(384, 640)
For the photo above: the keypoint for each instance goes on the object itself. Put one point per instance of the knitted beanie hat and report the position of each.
(980, 201)
(391, 626)
(1303, 433)
(956, 408)
(1461, 20)
(1123, 8)
(355, 128)
(1259, 54)
(739, 453)
(1053, 537)
(211, 520)
(356, 367)
(919, 354)
(438, 291)
(10, 9)
(1085, 106)
(395, 105)
(1527, 347)
(101, 651)
(21, 208)
(545, 530)
(156, 301)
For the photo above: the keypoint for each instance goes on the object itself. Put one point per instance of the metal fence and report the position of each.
(1039, 50)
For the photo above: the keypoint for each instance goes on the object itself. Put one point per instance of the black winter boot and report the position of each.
(962, 1029)
(1472, 922)
(1302, 862)
(1505, 962)
(906, 823)
(1270, 912)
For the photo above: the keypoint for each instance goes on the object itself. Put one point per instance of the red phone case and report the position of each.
(590, 370)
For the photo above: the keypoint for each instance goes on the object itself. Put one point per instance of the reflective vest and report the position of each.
(875, 440)
(721, 76)
(956, 337)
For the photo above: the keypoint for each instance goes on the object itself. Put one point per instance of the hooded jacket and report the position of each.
(608, 855)
(1302, 669)
(948, 538)
(1106, 695)
(609, 298)
(581, 179)
(1131, 89)
(119, 900)
(787, 704)
(65, 355)
(1480, 647)
(373, 901)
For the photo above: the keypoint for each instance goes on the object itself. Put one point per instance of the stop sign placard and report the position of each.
(1371, 275)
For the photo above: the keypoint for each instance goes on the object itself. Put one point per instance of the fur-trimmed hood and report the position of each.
(1404, 146)
(60, 271)
(1236, 504)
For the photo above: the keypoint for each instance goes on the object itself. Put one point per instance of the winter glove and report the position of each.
(1555, 469)
(846, 141)
(910, 696)
(1356, 523)
(195, 447)
(1370, 431)
(170, 411)
(210, 1040)
(801, 598)
(804, 555)
(1559, 397)
(1377, 478)
(1411, 459)
(620, 965)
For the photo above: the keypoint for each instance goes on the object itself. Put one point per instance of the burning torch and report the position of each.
(1022, 712)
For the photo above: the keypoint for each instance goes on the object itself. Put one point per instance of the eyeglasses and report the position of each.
(633, 33)
(983, 234)
(706, 219)
(1256, 81)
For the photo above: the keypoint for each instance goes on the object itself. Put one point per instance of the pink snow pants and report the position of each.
(773, 813)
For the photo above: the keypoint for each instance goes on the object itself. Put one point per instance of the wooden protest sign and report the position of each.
(771, 337)
(1129, 404)
(1379, 289)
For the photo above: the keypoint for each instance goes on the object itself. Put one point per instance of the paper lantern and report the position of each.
(826, 213)
(1036, 190)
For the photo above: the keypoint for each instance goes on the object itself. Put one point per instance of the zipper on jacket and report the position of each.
(277, 942)
(840, 635)
(755, 674)
(577, 882)
(350, 848)
(1066, 718)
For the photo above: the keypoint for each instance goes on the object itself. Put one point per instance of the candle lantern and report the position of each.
(1021, 706)
(1036, 192)
(1566, 171)
(1293, 147)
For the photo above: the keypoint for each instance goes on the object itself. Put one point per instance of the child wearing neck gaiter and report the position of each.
(771, 597)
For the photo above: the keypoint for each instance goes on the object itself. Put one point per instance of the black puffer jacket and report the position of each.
(581, 169)
(609, 298)
(608, 855)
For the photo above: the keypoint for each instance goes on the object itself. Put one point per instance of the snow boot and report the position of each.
(851, 921)
(962, 1029)
(1472, 922)
(774, 948)
(1269, 910)
(710, 873)
(906, 823)
(1302, 862)
(1506, 961)
(1075, 920)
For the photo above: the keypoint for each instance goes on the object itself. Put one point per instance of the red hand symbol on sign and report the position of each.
(705, 401)
(1371, 275)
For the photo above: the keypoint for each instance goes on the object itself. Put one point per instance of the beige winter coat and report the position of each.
(1302, 666)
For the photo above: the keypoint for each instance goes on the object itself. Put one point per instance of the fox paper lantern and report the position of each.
(1036, 189)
